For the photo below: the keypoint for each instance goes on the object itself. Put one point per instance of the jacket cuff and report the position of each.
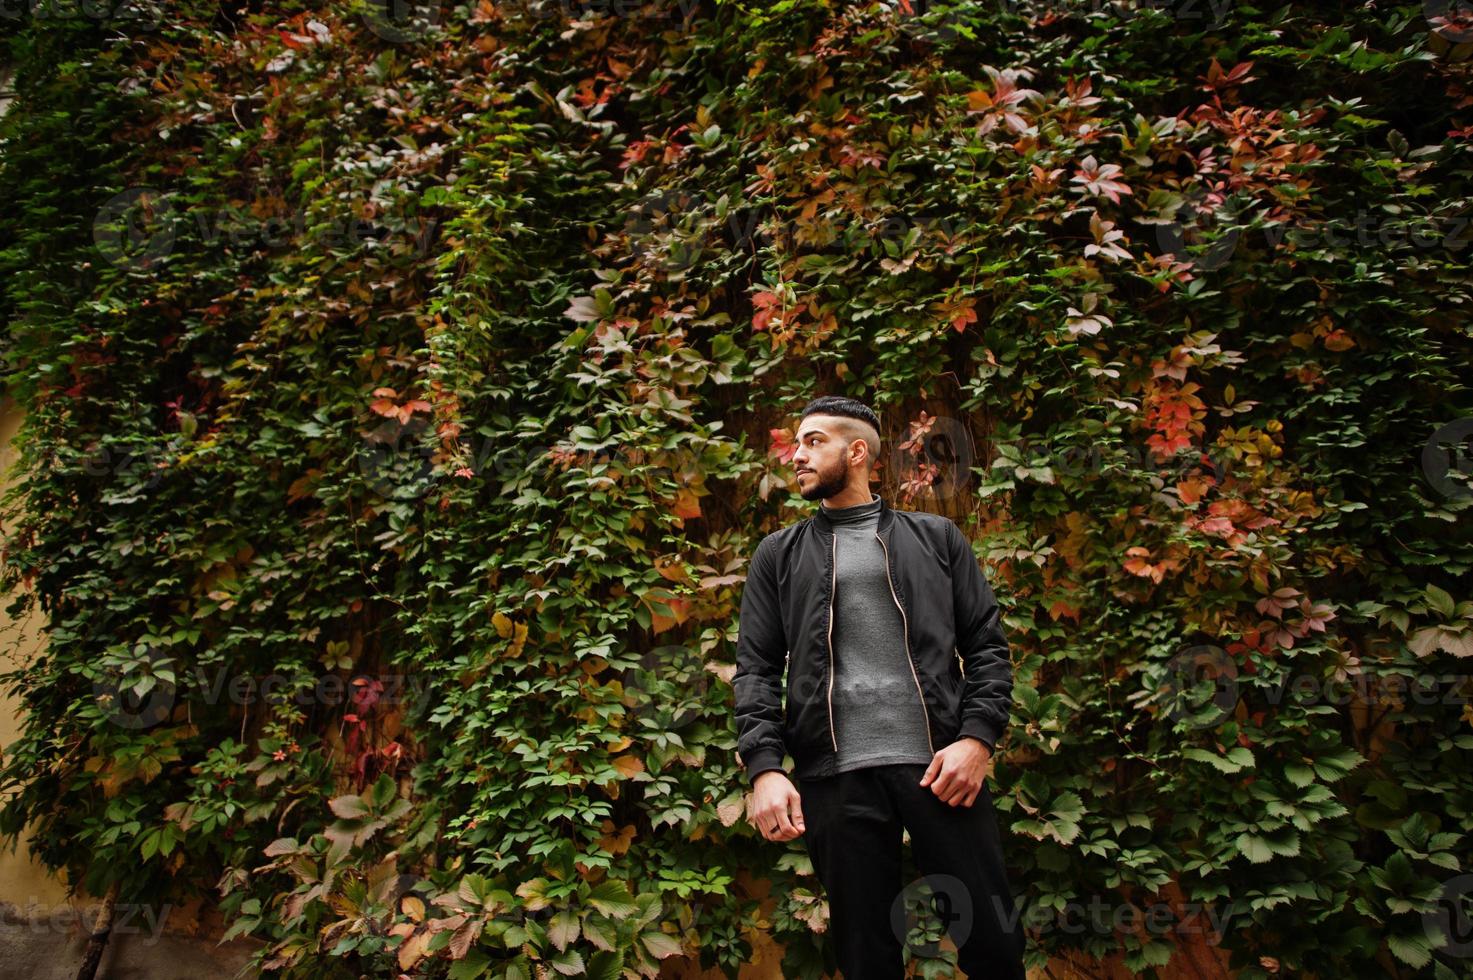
(764, 760)
(982, 729)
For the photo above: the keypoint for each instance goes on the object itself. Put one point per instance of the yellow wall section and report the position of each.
(24, 882)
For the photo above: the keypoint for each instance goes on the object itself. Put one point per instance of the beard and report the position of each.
(827, 483)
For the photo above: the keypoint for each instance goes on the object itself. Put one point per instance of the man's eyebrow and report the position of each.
(811, 432)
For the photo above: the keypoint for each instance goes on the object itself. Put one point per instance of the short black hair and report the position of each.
(839, 405)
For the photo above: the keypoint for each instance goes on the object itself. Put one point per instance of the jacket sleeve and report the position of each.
(987, 682)
(761, 657)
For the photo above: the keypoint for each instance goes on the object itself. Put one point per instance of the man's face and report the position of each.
(822, 459)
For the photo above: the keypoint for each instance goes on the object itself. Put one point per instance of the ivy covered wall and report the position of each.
(408, 384)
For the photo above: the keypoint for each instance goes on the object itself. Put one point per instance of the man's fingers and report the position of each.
(762, 820)
(942, 787)
(950, 788)
(786, 819)
(932, 770)
(963, 796)
(779, 814)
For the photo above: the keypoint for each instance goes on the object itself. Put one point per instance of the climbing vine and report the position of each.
(407, 386)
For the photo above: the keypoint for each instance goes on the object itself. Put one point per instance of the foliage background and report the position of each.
(442, 370)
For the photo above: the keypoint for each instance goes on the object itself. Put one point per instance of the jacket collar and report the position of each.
(824, 524)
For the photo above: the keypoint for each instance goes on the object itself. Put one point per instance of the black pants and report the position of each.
(854, 821)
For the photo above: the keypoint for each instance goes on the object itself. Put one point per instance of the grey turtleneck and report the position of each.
(878, 717)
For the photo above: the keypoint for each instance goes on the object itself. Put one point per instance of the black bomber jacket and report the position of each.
(953, 635)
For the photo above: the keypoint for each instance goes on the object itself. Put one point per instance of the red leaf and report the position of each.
(783, 445)
(767, 305)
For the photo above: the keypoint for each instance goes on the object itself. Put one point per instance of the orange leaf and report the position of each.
(678, 611)
(616, 843)
(979, 99)
(1191, 491)
(516, 632)
(412, 950)
(301, 486)
(1062, 608)
(687, 505)
(628, 765)
(964, 314)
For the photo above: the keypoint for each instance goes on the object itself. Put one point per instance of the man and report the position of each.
(899, 685)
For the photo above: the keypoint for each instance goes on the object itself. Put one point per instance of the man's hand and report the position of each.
(776, 809)
(956, 772)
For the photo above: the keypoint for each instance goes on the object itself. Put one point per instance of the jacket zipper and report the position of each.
(924, 713)
(833, 583)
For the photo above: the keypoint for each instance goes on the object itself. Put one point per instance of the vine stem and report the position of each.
(101, 929)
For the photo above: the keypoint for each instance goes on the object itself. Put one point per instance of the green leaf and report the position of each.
(1229, 764)
(563, 928)
(1440, 600)
(606, 965)
(1299, 774)
(613, 898)
(349, 807)
(472, 966)
(660, 944)
(1254, 848)
(569, 963)
(1412, 948)
(1336, 765)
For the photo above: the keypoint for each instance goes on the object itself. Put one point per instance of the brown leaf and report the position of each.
(629, 765)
